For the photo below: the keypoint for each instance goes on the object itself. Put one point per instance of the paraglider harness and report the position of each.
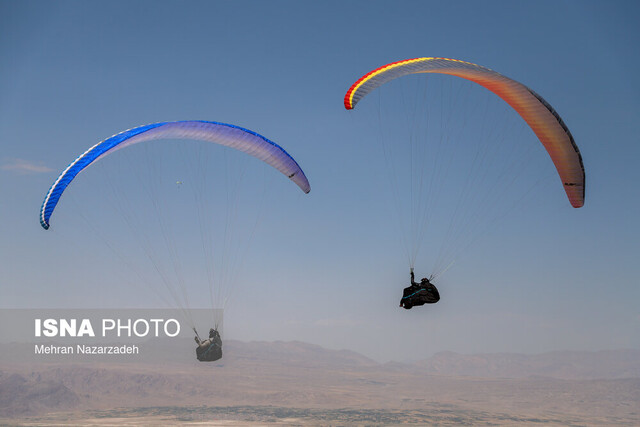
(419, 293)
(213, 350)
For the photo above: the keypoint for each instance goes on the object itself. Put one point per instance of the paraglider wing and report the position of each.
(539, 115)
(220, 133)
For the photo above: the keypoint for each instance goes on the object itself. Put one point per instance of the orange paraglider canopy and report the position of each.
(539, 115)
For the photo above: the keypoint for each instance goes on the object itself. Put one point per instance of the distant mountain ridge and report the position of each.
(581, 365)
(295, 352)
(575, 365)
(20, 395)
(605, 364)
(296, 374)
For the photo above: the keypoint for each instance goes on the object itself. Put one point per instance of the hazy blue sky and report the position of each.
(328, 267)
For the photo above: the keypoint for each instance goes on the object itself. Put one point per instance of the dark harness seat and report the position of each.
(419, 294)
